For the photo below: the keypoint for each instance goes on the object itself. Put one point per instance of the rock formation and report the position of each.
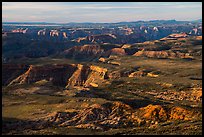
(57, 74)
(66, 75)
(115, 51)
(162, 54)
(101, 38)
(87, 76)
(117, 115)
(84, 52)
(12, 71)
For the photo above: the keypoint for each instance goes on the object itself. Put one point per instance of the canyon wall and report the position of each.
(65, 75)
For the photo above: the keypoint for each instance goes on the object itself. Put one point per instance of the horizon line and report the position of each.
(97, 22)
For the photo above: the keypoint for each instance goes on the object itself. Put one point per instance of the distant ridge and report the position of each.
(123, 22)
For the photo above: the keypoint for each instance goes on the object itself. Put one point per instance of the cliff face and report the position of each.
(66, 75)
(162, 54)
(83, 52)
(57, 74)
(86, 76)
(96, 76)
(102, 38)
(79, 77)
(92, 52)
(12, 71)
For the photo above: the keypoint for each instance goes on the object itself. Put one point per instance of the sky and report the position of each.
(65, 12)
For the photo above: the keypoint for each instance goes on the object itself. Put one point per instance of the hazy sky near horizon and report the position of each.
(64, 12)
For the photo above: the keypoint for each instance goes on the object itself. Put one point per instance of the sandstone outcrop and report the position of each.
(196, 93)
(131, 73)
(12, 71)
(108, 115)
(102, 38)
(117, 114)
(86, 76)
(66, 75)
(115, 51)
(125, 46)
(193, 96)
(157, 113)
(102, 60)
(137, 74)
(57, 74)
(84, 52)
(117, 74)
(152, 113)
(114, 63)
(162, 54)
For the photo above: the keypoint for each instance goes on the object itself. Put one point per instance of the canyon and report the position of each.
(105, 79)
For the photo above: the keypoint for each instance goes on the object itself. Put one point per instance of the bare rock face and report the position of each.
(102, 38)
(79, 77)
(137, 74)
(102, 60)
(178, 113)
(57, 74)
(196, 93)
(160, 113)
(91, 52)
(152, 113)
(162, 54)
(108, 115)
(83, 52)
(125, 46)
(117, 74)
(66, 75)
(97, 75)
(87, 76)
(117, 114)
(112, 115)
(116, 51)
(131, 73)
(12, 71)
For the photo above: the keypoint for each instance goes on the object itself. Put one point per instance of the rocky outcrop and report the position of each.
(102, 60)
(157, 113)
(96, 116)
(57, 74)
(114, 63)
(12, 71)
(101, 38)
(133, 73)
(194, 96)
(79, 77)
(84, 52)
(96, 76)
(152, 113)
(87, 76)
(111, 115)
(125, 46)
(178, 113)
(119, 115)
(117, 74)
(115, 51)
(162, 54)
(138, 74)
(91, 52)
(66, 75)
(196, 93)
